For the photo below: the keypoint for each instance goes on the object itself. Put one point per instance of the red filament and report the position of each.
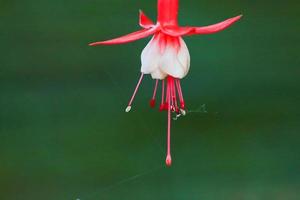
(134, 93)
(152, 101)
(182, 104)
(162, 104)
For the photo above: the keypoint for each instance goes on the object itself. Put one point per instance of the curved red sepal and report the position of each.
(215, 27)
(128, 38)
(145, 21)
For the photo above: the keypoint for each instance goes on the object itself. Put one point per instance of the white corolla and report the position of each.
(165, 56)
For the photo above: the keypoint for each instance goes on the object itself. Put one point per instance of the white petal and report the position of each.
(170, 64)
(150, 57)
(184, 56)
(158, 74)
(176, 63)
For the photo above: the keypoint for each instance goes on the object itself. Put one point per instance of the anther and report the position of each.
(152, 103)
(182, 105)
(161, 107)
(183, 112)
(128, 108)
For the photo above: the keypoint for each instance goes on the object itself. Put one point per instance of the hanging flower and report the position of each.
(166, 57)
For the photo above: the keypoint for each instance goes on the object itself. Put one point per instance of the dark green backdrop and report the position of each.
(64, 134)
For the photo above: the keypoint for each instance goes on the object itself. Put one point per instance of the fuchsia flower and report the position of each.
(166, 57)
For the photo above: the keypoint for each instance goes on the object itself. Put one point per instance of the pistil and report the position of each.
(168, 157)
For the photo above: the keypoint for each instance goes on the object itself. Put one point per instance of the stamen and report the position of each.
(128, 108)
(134, 93)
(170, 79)
(174, 96)
(166, 97)
(182, 111)
(152, 101)
(168, 157)
(162, 104)
(182, 104)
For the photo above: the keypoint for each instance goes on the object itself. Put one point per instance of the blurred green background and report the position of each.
(64, 134)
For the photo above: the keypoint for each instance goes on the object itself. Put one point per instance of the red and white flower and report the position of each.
(166, 57)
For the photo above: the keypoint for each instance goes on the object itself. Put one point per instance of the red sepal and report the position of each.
(145, 21)
(215, 27)
(128, 38)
